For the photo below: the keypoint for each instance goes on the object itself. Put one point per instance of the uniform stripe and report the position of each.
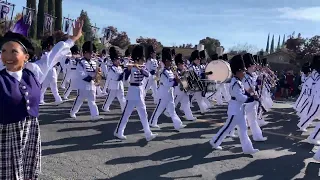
(75, 101)
(223, 131)
(124, 110)
(310, 116)
(67, 88)
(155, 111)
(105, 101)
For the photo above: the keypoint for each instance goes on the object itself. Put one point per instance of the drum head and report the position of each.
(220, 69)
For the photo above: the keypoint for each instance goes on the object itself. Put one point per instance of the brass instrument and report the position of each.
(99, 76)
(183, 84)
(137, 65)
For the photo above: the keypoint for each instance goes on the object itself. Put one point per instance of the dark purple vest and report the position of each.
(18, 99)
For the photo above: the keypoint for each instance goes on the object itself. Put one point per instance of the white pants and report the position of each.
(170, 106)
(200, 101)
(232, 121)
(54, 89)
(68, 91)
(119, 93)
(185, 105)
(314, 112)
(315, 133)
(151, 83)
(252, 118)
(66, 79)
(83, 94)
(105, 87)
(142, 112)
(317, 154)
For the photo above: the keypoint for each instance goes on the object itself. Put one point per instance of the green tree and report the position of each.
(119, 39)
(87, 32)
(272, 45)
(210, 45)
(42, 8)
(58, 14)
(33, 29)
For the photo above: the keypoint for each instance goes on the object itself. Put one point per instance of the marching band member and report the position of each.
(66, 76)
(51, 79)
(311, 111)
(104, 69)
(151, 66)
(222, 94)
(135, 96)
(126, 61)
(182, 96)
(165, 93)
(196, 67)
(20, 149)
(251, 108)
(306, 72)
(115, 84)
(236, 115)
(73, 71)
(203, 63)
(87, 89)
(98, 86)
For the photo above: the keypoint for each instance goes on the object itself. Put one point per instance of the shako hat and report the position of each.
(202, 54)
(306, 68)
(88, 46)
(74, 49)
(178, 59)
(215, 56)
(113, 54)
(225, 57)
(194, 55)
(127, 53)
(137, 53)
(166, 55)
(264, 62)
(237, 64)
(248, 60)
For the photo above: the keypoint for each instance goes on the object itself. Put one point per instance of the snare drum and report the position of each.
(210, 86)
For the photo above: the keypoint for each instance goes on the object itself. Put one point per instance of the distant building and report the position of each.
(280, 60)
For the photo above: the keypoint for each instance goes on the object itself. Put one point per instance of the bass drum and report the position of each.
(221, 71)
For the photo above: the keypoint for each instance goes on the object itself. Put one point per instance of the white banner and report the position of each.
(28, 15)
(48, 22)
(5, 9)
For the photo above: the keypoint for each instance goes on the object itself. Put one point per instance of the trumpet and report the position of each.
(137, 65)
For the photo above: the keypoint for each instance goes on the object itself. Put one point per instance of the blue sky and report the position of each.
(174, 22)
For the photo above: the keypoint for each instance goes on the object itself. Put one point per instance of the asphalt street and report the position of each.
(82, 149)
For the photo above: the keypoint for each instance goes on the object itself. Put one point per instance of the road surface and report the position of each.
(82, 149)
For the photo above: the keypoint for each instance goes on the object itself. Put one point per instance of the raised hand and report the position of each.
(77, 29)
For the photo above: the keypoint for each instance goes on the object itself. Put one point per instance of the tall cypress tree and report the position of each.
(283, 41)
(42, 8)
(278, 47)
(272, 45)
(267, 47)
(86, 26)
(58, 14)
(33, 29)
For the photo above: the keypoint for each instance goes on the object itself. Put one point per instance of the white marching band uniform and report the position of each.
(51, 79)
(152, 66)
(116, 88)
(87, 89)
(73, 74)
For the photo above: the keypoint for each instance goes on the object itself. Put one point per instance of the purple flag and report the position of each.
(21, 27)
